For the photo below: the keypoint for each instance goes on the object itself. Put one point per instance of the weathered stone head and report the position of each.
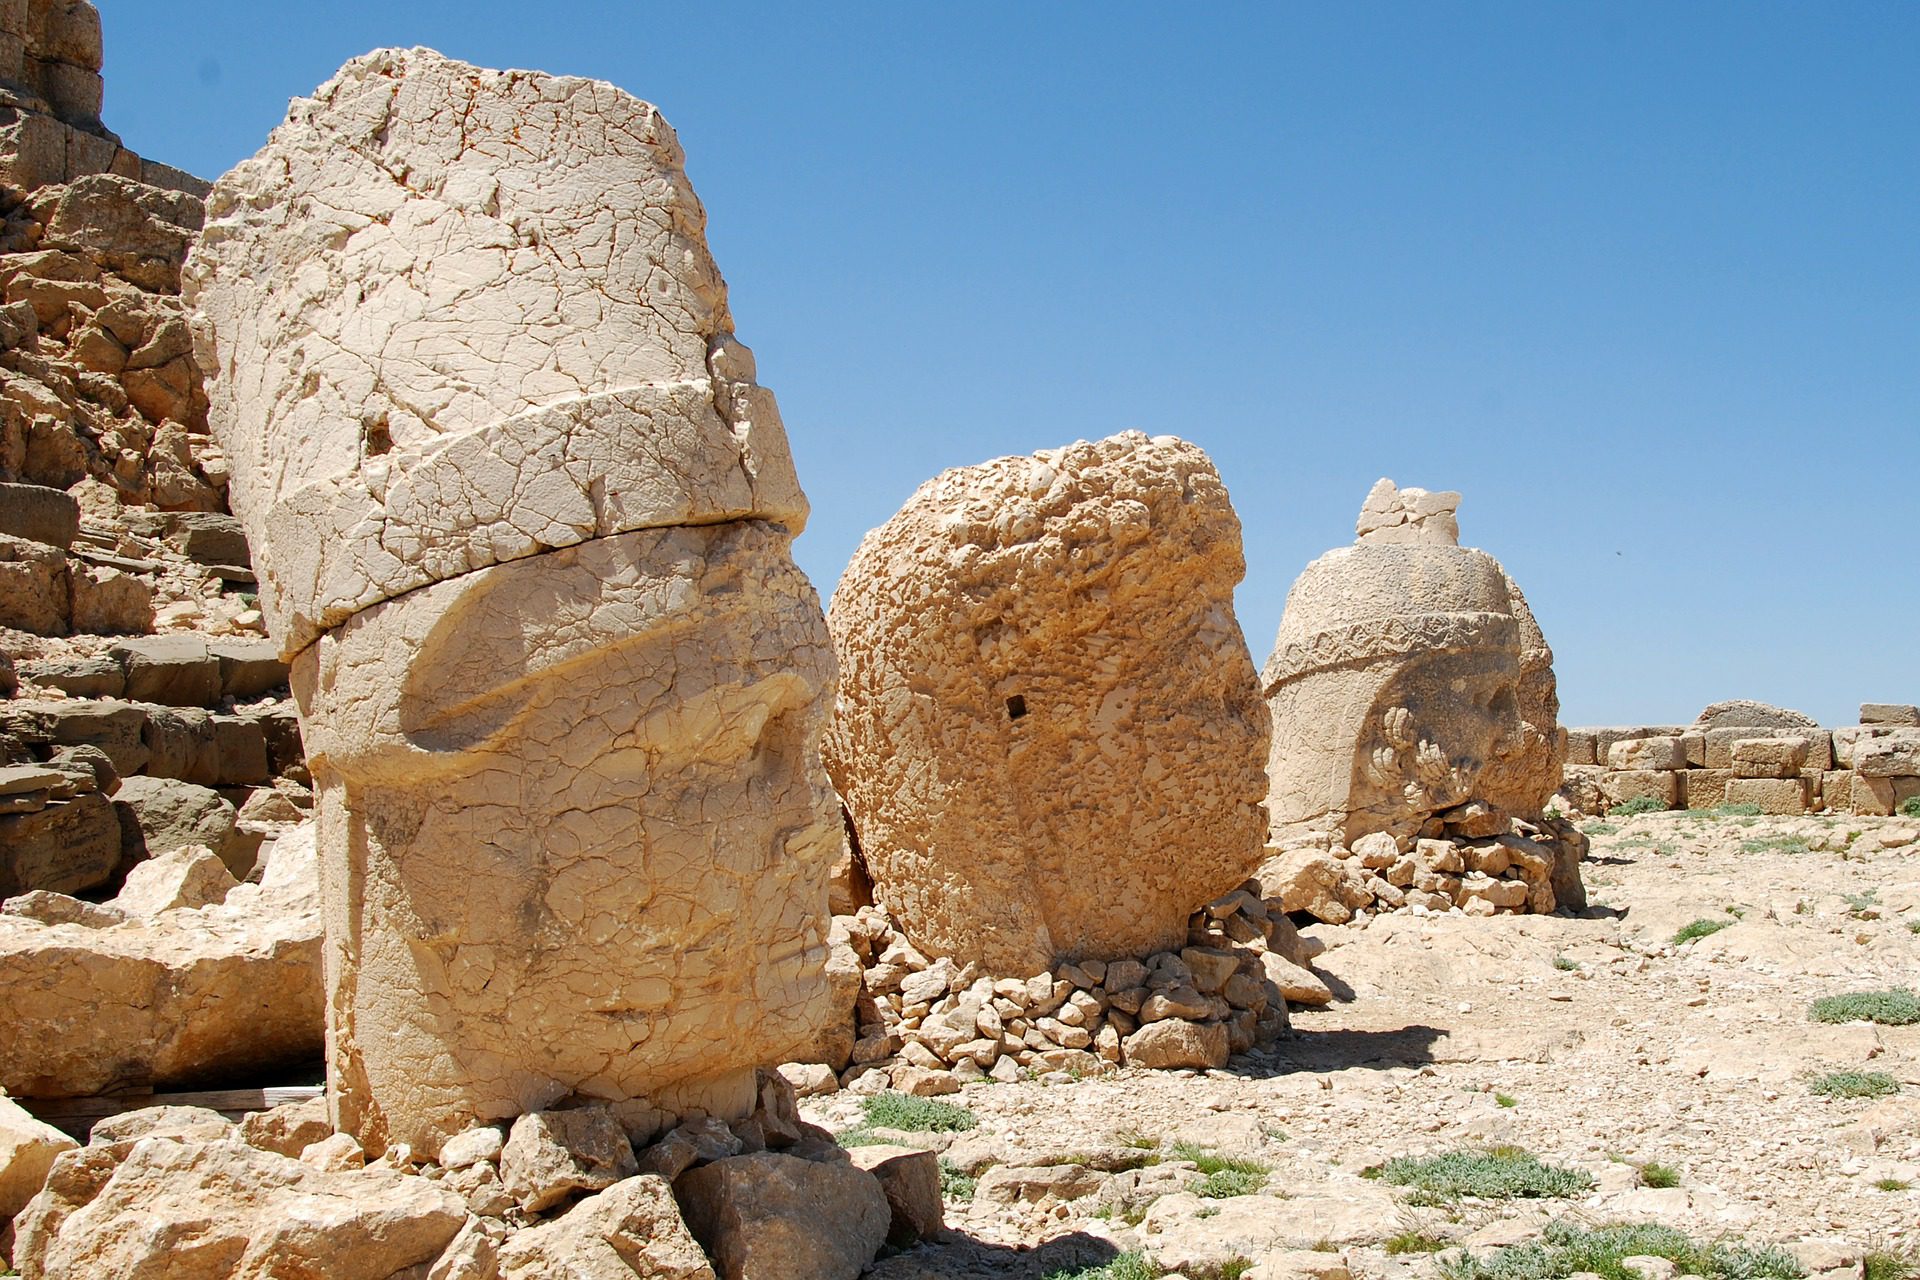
(1048, 730)
(1409, 678)
(522, 521)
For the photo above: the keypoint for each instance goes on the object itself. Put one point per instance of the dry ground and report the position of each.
(1598, 1044)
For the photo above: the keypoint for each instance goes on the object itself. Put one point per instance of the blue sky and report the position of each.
(1641, 280)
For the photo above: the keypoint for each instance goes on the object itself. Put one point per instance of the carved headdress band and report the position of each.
(1360, 643)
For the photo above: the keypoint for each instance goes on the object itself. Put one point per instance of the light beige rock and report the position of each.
(225, 1209)
(633, 1228)
(1174, 1042)
(522, 521)
(1047, 730)
(288, 1129)
(1396, 686)
(1769, 757)
(179, 1123)
(188, 997)
(549, 1155)
(773, 1217)
(1896, 755)
(1647, 754)
(27, 1150)
(190, 876)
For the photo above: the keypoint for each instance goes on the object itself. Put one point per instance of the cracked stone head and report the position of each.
(522, 519)
(1409, 677)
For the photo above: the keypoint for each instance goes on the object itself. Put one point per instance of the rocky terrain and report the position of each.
(1597, 1044)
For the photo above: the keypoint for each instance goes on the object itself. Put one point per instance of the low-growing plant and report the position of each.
(1736, 811)
(1599, 829)
(1883, 1265)
(1505, 1100)
(1776, 844)
(1637, 805)
(1413, 1242)
(1854, 1084)
(1565, 964)
(1232, 1269)
(1499, 1173)
(1566, 1249)
(1699, 929)
(1228, 1183)
(858, 1136)
(892, 1110)
(1659, 1176)
(1892, 1184)
(1221, 1177)
(1898, 1007)
(955, 1185)
(1910, 807)
(1862, 906)
(1127, 1266)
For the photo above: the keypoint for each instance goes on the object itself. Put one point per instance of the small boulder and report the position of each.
(776, 1217)
(190, 876)
(27, 1149)
(288, 1129)
(632, 1228)
(549, 1155)
(1177, 1043)
(910, 1179)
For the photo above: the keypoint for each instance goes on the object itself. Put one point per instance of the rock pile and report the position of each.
(1750, 753)
(926, 1026)
(576, 1192)
(1047, 733)
(522, 520)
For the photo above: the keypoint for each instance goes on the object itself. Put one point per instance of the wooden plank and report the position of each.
(77, 1116)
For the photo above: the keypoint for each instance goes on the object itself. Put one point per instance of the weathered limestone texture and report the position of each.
(1048, 731)
(1409, 679)
(522, 522)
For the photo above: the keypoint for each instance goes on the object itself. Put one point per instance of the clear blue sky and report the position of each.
(1641, 280)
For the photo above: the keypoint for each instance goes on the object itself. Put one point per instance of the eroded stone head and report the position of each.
(1409, 678)
(523, 520)
(1048, 729)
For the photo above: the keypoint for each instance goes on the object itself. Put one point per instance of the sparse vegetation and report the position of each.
(1910, 807)
(1567, 1249)
(1128, 1266)
(1659, 1176)
(1882, 1265)
(1565, 964)
(1700, 928)
(1854, 1084)
(1913, 926)
(1500, 1173)
(1891, 1184)
(1862, 906)
(1231, 1269)
(916, 1115)
(955, 1185)
(1896, 1008)
(1736, 811)
(1775, 844)
(1599, 829)
(1505, 1100)
(1222, 1177)
(1413, 1242)
(1637, 805)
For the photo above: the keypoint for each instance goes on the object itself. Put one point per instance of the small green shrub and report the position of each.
(858, 1136)
(1567, 1248)
(1699, 929)
(955, 1185)
(1209, 1162)
(1896, 1008)
(1862, 906)
(1565, 964)
(1854, 1084)
(1637, 805)
(1599, 829)
(1891, 1184)
(1659, 1176)
(1776, 844)
(1505, 1100)
(1413, 1242)
(916, 1115)
(1736, 811)
(1128, 1266)
(1881, 1265)
(1225, 1184)
(1501, 1173)
(1910, 807)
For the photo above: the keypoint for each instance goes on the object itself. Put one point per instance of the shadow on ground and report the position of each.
(959, 1256)
(1337, 1050)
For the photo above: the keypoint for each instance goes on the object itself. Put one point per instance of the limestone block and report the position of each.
(1894, 713)
(1768, 757)
(66, 846)
(910, 1179)
(96, 677)
(110, 603)
(1620, 786)
(1894, 756)
(633, 1228)
(1408, 677)
(1175, 1042)
(248, 668)
(1606, 736)
(39, 514)
(208, 537)
(1743, 714)
(521, 518)
(1580, 746)
(173, 1122)
(173, 670)
(113, 727)
(35, 593)
(188, 877)
(1693, 743)
(1705, 788)
(27, 1150)
(1720, 742)
(231, 1209)
(770, 1217)
(138, 231)
(287, 1129)
(1647, 753)
(159, 815)
(1836, 790)
(1048, 730)
(191, 996)
(1772, 795)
